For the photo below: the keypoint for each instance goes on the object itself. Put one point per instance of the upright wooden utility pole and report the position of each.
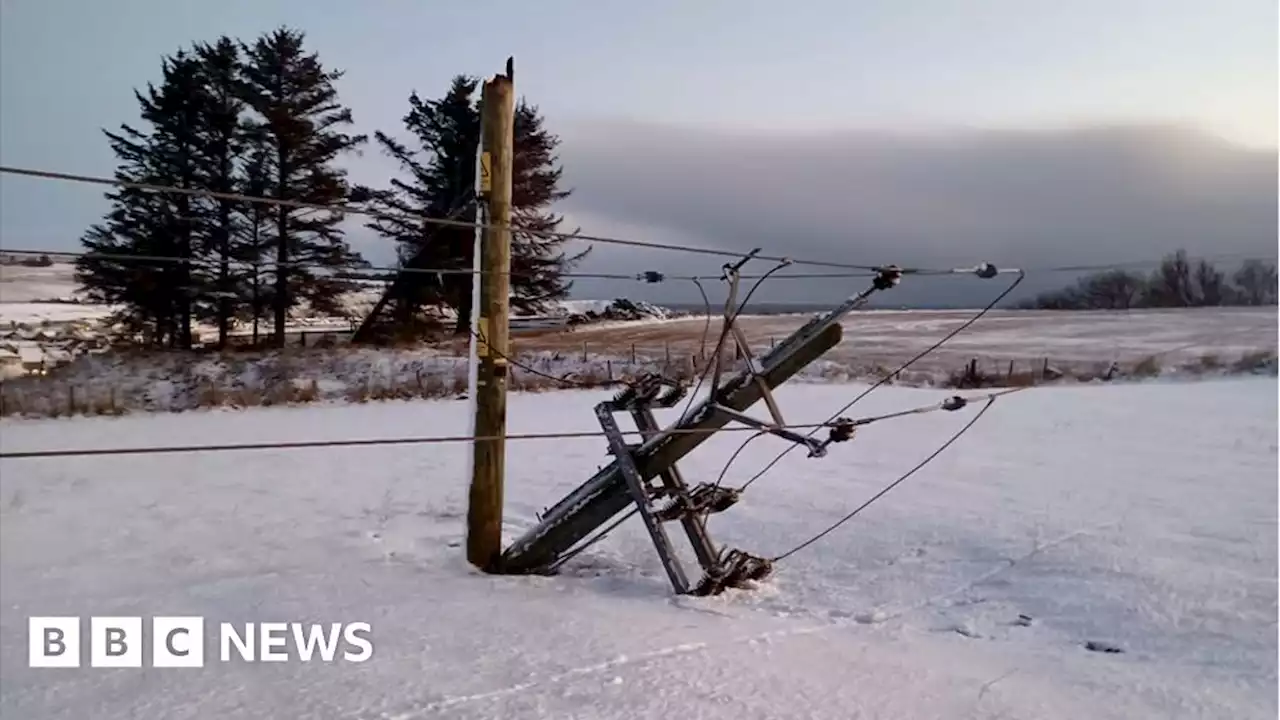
(497, 133)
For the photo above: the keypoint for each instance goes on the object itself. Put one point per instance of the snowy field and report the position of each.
(1069, 340)
(1142, 516)
(23, 284)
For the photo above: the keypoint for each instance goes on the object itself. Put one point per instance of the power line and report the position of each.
(834, 526)
(604, 240)
(421, 440)
(1133, 264)
(300, 444)
(268, 267)
(885, 378)
(444, 222)
(648, 276)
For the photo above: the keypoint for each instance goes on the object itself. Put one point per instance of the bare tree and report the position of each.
(1255, 283)
(1209, 285)
(1111, 290)
(1171, 285)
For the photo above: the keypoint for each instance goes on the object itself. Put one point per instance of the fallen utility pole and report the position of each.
(625, 481)
(484, 511)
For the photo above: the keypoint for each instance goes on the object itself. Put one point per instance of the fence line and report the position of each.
(291, 379)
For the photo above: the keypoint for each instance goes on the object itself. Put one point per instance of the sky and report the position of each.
(1020, 132)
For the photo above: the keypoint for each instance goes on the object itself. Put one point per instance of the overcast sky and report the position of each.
(938, 132)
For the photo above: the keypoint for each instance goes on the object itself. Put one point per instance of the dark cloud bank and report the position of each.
(1026, 199)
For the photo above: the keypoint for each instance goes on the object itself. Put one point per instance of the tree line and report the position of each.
(1178, 282)
(264, 119)
(26, 260)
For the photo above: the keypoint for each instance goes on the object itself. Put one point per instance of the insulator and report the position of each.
(887, 277)
(841, 430)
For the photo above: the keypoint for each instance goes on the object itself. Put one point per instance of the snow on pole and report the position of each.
(473, 355)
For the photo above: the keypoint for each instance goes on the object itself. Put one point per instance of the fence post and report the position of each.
(633, 353)
(584, 351)
(608, 369)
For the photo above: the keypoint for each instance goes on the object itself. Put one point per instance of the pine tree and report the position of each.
(256, 180)
(441, 169)
(538, 263)
(154, 224)
(117, 269)
(223, 138)
(440, 164)
(298, 120)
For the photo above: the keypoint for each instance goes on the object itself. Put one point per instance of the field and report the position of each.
(1072, 341)
(1005, 347)
(1138, 516)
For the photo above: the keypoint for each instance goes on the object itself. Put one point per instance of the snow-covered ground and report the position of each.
(1141, 516)
(36, 313)
(1068, 340)
(25, 284)
(42, 316)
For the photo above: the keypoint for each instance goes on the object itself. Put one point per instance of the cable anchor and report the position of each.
(735, 569)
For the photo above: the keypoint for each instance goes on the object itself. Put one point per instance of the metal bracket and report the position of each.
(732, 568)
(640, 495)
(689, 508)
(743, 347)
(817, 448)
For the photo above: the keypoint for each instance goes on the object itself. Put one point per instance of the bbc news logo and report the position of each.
(179, 642)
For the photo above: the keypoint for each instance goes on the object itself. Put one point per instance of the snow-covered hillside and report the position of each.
(1140, 516)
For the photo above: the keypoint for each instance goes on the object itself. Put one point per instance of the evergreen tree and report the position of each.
(538, 263)
(255, 183)
(440, 164)
(298, 120)
(116, 268)
(441, 183)
(154, 224)
(223, 138)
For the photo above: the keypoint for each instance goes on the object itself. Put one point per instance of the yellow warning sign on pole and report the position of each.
(486, 178)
